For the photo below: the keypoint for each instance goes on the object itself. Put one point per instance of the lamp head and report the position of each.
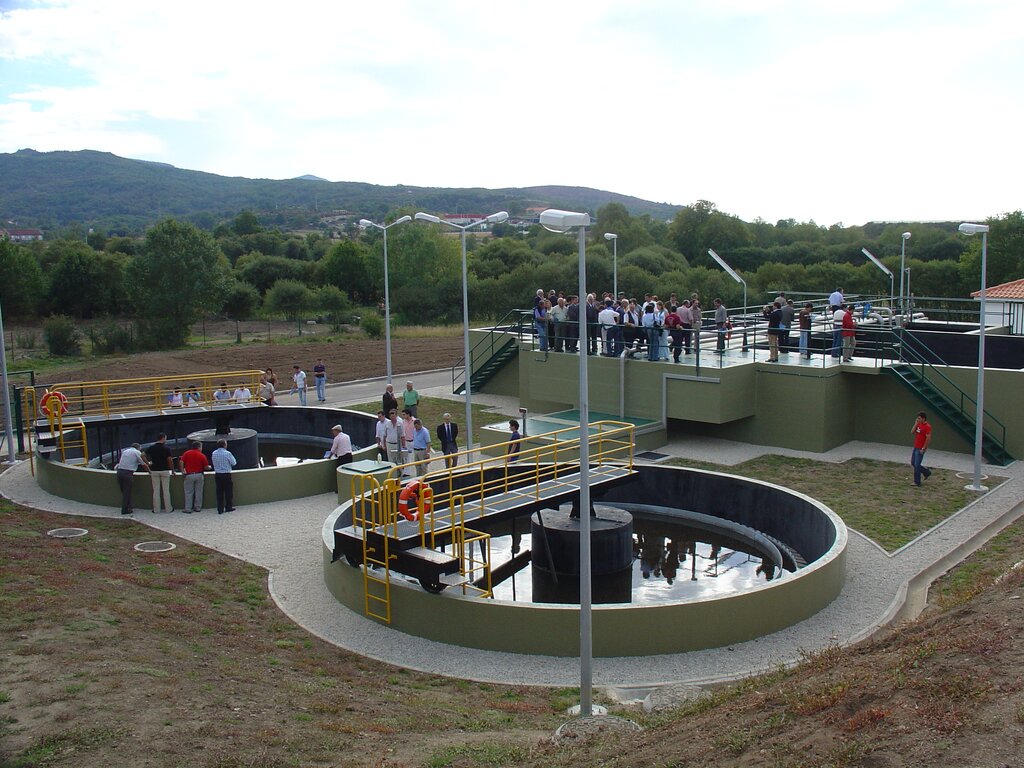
(555, 220)
(973, 229)
(401, 220)
(497, 218)
(428, 217)
(905, 235)
(364, 223)
(866, 252)
(610, 236)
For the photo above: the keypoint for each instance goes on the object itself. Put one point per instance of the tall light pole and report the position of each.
(364, 223)
(733, 274)
(979, 415)
(8, 425)
(881, 266)
(615, 264)
(903, 259)
(565, 221)
(494, 218)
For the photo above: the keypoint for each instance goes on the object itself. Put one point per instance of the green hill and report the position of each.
(97, 189)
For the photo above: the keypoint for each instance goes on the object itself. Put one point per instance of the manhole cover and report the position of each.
(651, 456)
(154, 546)
(67, 533)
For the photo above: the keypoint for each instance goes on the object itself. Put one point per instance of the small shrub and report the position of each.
(62, 337)
(26, 339)
(373, 326)
(111, 338)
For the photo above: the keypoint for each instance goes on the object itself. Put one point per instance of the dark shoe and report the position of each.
(187, 511)
(230, 509)
(130, 512)
(220, 511)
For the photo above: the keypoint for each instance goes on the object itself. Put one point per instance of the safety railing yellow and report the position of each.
(154, 393)
(549, 458)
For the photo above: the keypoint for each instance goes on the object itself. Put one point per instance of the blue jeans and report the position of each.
(805, 342)
(321, 388)
(542, 334)
(302, 396)
(837, 342)
(916, 459)
(653, 339)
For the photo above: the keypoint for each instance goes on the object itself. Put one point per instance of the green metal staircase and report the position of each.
(496, 349)
(948, 400)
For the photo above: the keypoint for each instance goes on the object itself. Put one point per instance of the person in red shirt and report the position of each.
(922, 432)
(193, 464)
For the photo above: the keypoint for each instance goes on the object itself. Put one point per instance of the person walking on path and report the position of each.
(320, 380)
(126, 467)
(223, 461)
(193, 464)
(922, 432)
(421, 447)
(299, 384)
(448, 435)
(410, 399)
(161, 467)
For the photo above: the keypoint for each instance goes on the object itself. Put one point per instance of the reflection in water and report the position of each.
(671, 562)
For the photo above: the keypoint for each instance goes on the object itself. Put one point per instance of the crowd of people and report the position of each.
(654, 328)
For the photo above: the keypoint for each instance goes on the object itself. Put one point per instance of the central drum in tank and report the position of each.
(555, 544)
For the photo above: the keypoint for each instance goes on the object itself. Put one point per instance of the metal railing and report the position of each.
(512, 323)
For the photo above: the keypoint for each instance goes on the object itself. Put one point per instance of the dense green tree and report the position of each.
(290, 298)
(500, 255)
(263, 271)
(87, 283)
(21, 280)
(331, 301)
(684, 231)
(425, 272)
(1005, 260)
(240, 302)
(344, 267)
(180, 274)
(246, 223)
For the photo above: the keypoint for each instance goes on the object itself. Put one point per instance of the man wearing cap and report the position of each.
(341, 448)
(448, 435)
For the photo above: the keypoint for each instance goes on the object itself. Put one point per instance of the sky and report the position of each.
(833, 111)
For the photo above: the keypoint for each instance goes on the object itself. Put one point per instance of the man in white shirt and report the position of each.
(610, 332)
(299, 382)
(382, 451)
(129, 462)
(341, 448)
(835, 299)
(394, 438)
(242, 394)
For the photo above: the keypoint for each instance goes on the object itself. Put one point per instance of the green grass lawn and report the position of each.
(876, 498)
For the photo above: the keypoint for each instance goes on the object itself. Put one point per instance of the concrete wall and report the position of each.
(625, 630)
(251, 486)
(813, 409)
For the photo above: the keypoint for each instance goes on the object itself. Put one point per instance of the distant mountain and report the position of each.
(311, 177)
(98, 189)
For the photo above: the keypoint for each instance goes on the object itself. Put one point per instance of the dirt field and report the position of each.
(346, 359)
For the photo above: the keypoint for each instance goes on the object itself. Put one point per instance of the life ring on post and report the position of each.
(57, 398)
(409, 498)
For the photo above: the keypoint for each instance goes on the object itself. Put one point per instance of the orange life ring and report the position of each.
(409, 496)
(53, 395)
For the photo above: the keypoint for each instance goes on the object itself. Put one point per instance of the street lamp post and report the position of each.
(882, 267)
(733, 274)
(565, 221)
(615, 263)
(979, 414)
(494, 218)
(8, 424)
(364, 223)
(903, 257)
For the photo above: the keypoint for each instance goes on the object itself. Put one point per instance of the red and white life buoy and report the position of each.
(53, 401)
(407, 499)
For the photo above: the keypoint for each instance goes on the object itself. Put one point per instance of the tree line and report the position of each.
(178, 273)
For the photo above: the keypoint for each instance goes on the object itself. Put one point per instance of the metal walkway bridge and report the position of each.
(443, 547)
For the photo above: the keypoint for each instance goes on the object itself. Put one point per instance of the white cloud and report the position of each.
(788, 108)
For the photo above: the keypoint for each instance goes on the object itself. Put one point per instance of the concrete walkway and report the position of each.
(285, 539)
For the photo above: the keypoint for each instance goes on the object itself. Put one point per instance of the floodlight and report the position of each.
(973, 229)
(555, 220)
(428, 217)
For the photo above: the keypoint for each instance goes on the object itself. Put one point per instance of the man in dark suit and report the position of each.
(447, 435)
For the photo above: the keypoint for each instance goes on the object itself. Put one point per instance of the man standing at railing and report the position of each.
(922, 432)
(193, 464)
(161, 466)
(126, 467)
(223, 461)
(805, 329)
(420, 446)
